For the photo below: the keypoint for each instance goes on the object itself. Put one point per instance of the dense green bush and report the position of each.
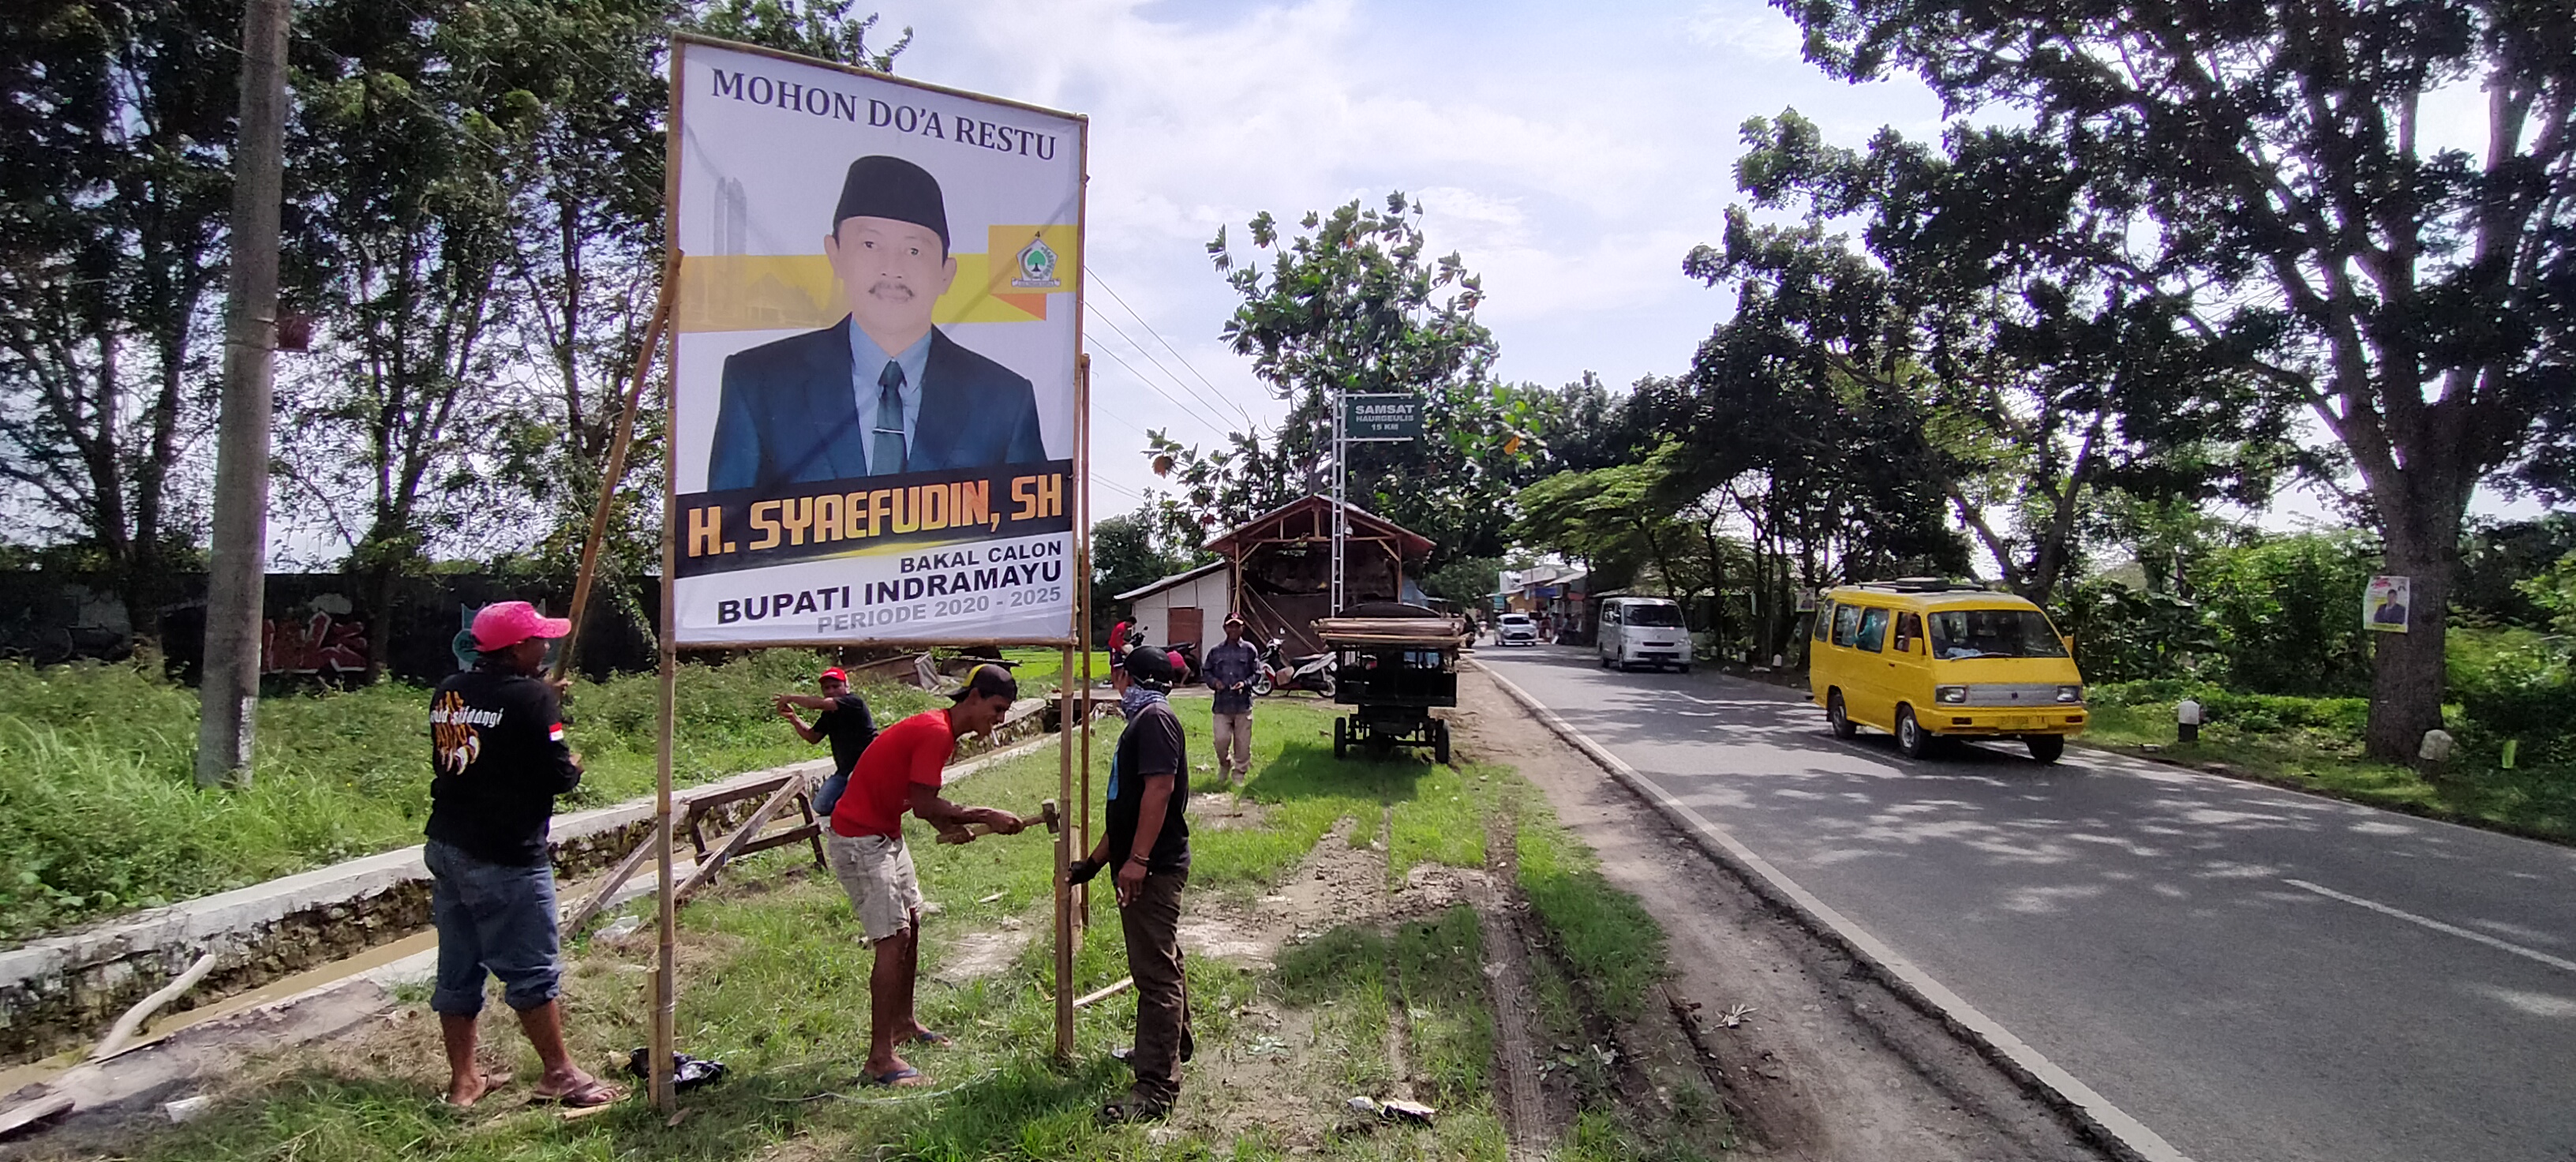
(2124, 634)
(2287, 613)
(2516, 684)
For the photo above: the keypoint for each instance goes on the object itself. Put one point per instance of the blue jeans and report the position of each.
(830, 792)
(491, 917)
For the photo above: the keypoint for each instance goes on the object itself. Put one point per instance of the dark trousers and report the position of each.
(1153, 928)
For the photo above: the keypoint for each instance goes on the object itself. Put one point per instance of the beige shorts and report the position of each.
(877, 873)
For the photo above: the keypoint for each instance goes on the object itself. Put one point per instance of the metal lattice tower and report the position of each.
(1341, 504)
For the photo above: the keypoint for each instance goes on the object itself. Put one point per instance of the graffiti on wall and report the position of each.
(323, 640)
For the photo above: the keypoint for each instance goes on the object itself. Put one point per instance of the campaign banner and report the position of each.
(872, 391)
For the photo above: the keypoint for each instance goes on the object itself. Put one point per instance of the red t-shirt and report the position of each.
(908, 752)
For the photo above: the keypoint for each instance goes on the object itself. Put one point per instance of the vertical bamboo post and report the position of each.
(617, 448)
(1063, 868)
(665, 968)
(1084, 614)
(666, 985)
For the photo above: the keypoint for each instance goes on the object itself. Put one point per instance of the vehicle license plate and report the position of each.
(2016, 723)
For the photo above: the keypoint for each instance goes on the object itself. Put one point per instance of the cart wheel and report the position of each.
(1341, 738)
(1440, 743)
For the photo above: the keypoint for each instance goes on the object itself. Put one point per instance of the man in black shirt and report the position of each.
(498, 759)
(1149, 837)
(844, 719)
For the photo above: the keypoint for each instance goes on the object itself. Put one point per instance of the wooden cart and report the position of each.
(1394, 663)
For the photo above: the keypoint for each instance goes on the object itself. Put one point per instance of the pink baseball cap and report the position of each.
(503, 624)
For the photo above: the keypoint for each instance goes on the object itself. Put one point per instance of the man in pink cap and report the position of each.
(498, 760)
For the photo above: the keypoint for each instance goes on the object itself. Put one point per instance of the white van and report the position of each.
(1644, 631)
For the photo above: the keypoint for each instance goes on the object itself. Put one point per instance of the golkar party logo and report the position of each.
(1037, 266)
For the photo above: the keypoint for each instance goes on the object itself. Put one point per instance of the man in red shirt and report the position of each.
(900, 772)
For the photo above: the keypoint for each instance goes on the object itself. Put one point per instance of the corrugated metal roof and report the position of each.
(1168, 582)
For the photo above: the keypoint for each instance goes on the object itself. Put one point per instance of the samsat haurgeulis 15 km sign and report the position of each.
(872, 419)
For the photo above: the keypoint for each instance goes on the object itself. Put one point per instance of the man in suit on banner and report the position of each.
(882, 391)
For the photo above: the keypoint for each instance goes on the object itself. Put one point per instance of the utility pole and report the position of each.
(228, 689)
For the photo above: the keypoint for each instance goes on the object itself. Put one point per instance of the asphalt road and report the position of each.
(2254, 974)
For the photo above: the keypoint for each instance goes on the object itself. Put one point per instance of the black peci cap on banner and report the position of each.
(879, 186)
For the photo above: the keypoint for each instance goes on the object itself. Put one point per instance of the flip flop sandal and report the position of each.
(491, 1081)
(894, 1078)
(590, 1094)
(932, 1037)
(1121, 1112)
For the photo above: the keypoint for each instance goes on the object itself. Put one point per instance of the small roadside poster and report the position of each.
(2383, 604)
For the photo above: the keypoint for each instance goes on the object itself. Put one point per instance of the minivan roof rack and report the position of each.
(1923, 585)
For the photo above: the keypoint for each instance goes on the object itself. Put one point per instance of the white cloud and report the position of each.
(1758, 32)
(1571, 163)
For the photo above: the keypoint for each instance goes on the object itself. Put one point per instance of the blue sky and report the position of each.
(1571, 154)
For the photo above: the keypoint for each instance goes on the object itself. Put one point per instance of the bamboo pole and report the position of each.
(1063, 878)
(617, 449)
(665, 983)
(666, 962)
(1083, 612)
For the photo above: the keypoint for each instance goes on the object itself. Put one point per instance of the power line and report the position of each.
(1177, 381)
(1167, 344)
(1216, 400)
(1193, 413)
(1149, 357)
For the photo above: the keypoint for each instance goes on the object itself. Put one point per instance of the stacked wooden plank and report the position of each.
(1415, 632)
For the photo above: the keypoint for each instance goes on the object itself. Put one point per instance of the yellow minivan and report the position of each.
(1925, 659)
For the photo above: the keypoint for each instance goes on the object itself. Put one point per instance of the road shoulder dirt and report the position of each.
(1827, 1064)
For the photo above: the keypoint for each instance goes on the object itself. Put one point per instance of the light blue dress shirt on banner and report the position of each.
(867, 362)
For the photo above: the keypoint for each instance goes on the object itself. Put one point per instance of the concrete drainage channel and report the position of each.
(303, 957)
(2123, 1136)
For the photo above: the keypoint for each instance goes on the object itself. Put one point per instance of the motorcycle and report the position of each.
(1280, 672)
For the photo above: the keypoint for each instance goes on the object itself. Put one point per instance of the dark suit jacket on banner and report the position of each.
(788, 414)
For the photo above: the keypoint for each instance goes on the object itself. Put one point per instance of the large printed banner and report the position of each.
(873, 399)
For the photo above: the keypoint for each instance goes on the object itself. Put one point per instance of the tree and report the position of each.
(1352, 305)
(1132, 551)
(1470, 582)
(2270, 167)
(115, 179)
(2031, 376)
(1609, 519)
(485, 182)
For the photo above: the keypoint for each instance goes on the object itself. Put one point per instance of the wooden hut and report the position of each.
(1277, 570)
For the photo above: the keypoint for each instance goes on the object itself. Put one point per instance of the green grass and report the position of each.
(1605, 937)
(100, 814)
(1042, 669)
(774, 984)
(2319, 755)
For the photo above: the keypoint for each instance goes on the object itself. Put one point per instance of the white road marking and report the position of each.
(2557, 962)
(2132, 1135)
